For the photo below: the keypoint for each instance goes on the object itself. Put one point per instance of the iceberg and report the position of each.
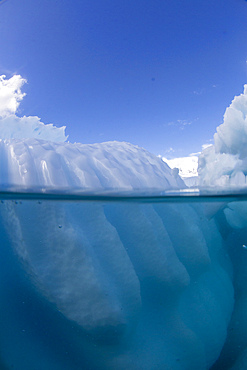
(13, 127)
(115, 281)
(124, 287)
(225, 162)
(40, 163)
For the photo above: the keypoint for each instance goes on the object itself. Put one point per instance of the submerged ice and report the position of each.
(125, 288)
(119, 284)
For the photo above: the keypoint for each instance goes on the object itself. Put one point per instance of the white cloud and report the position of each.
(170, 150)
(181, 123)
(10, 94)
(198, 92)
(13, 127)
(184, 122)
(205, 146)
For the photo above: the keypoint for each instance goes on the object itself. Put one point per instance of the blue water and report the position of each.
(108, 282)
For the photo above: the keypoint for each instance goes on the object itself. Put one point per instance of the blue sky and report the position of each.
(158, 74)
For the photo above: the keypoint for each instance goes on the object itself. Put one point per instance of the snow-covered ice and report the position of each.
(112, 165)
(225, 162)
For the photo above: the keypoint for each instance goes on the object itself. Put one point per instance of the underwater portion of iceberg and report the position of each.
(115, 285)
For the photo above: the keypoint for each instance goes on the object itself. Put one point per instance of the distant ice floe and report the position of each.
(187, 167)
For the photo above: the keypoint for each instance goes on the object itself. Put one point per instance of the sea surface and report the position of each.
(123, 280)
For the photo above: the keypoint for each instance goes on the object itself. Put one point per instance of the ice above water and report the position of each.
(225, 162)
(120, 284)
(13, 127)
(112, 165)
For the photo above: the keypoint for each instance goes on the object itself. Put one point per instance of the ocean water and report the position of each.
(112, 281)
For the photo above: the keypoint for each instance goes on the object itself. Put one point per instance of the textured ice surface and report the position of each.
(111, 165)
(136, 293)
(225, 162)
(13, 127)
